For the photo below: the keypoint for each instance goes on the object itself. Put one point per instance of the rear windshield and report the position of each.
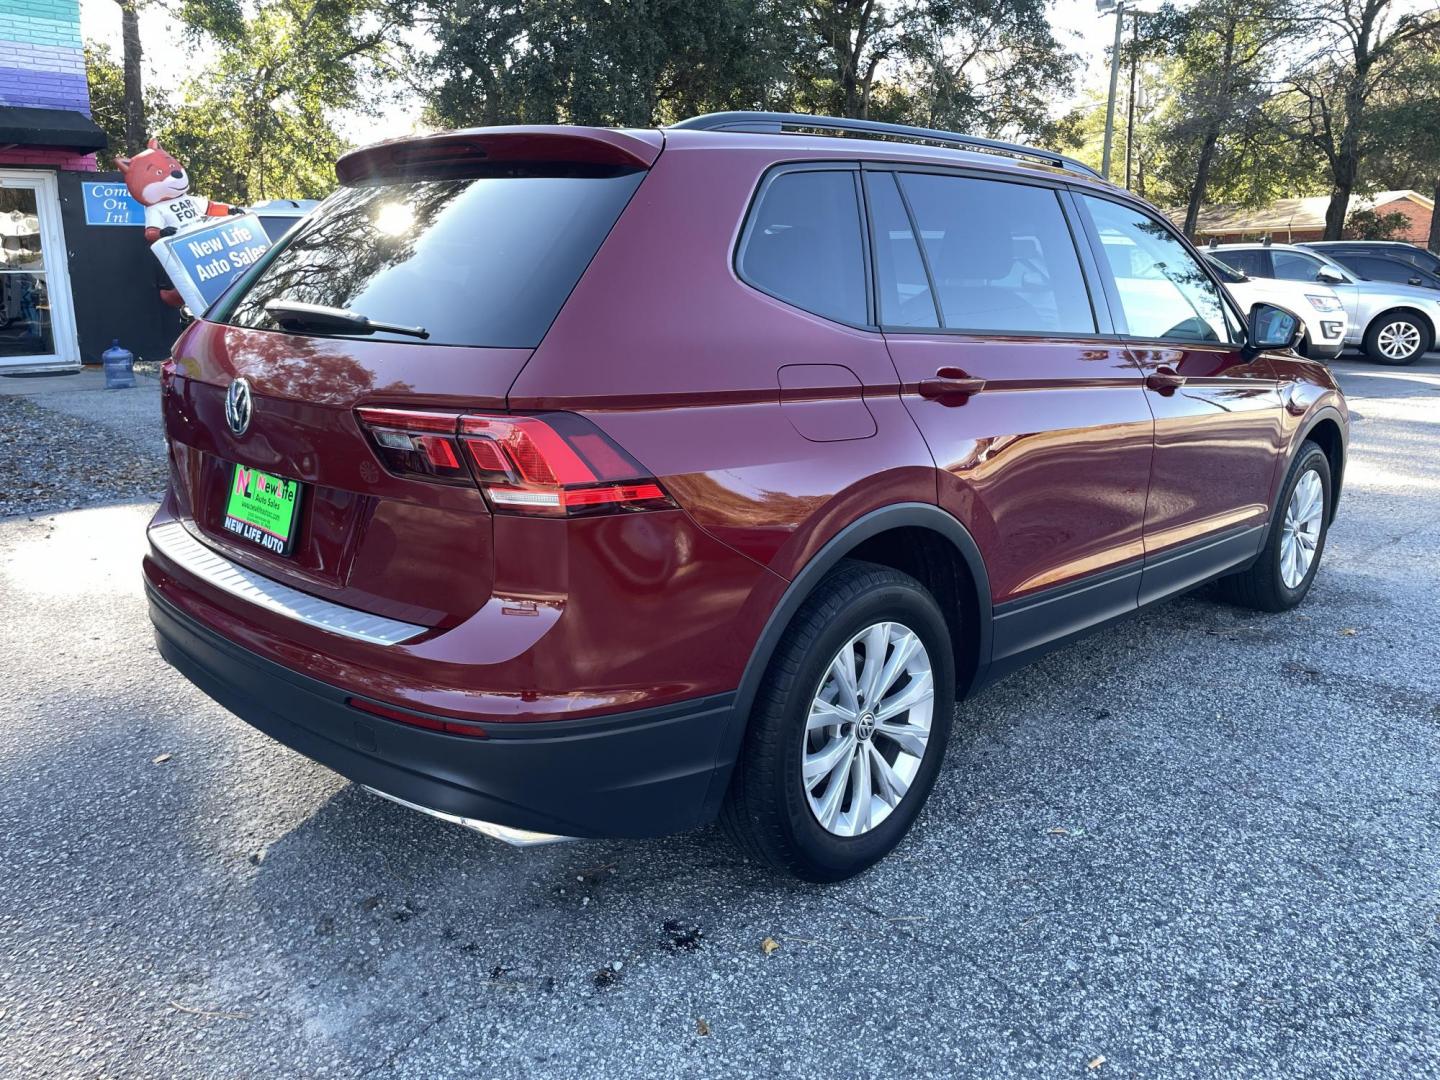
(482, 261)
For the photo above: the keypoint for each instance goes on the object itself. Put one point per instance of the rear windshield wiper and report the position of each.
(294, 315)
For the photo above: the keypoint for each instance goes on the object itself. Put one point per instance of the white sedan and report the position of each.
(1316, 305)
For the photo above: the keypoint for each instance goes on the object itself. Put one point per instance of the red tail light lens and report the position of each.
(420, 444)
(551, 464)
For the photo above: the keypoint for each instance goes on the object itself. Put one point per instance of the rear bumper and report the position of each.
(644, 773)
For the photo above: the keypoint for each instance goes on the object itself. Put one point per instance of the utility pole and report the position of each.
(1130, 101)
(1118, 7)
(1121, 8)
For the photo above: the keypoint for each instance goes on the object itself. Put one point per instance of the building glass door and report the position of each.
(37, 322)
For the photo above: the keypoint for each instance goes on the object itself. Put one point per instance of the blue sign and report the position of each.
(202, 262)
(110, 203)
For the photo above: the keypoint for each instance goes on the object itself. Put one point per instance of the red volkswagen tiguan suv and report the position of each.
(591, 483)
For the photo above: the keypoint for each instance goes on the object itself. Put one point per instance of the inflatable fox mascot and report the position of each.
(161, 185)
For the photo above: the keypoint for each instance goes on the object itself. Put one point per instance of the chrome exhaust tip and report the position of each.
(513, 837)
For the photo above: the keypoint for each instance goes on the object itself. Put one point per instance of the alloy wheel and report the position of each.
(1398, 340)
(1300, 533)
(868, 728)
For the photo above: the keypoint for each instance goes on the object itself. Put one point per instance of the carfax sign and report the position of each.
(109, 202)
(203, 261)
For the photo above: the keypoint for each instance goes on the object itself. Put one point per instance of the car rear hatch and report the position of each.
(473, 239)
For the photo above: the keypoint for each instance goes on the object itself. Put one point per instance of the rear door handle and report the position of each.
(1164, 378)
(950, 381)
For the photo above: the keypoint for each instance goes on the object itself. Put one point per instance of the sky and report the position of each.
(1076, 23)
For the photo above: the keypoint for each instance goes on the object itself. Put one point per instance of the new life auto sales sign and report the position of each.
(203, 261)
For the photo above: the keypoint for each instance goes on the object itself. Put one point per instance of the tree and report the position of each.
(105, 77)
(1369, 224)
(992, 64)
(258, 121)
(1218, 56)
(1407, 132)
(134, 93)
(626, 62)
(106, 81)
(1360, 53)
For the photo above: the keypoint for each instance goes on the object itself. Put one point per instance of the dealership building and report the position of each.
(74, 271)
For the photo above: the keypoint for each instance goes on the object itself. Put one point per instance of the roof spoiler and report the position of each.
(533, 145)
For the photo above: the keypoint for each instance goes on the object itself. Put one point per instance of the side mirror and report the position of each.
(1273, 327)
(1329, 275)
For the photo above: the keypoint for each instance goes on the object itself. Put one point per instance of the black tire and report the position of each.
(766, 810)
(1397, 322)
(1262, 586)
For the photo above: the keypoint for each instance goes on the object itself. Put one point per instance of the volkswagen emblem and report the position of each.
(238, 406)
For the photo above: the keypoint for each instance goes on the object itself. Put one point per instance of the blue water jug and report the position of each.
(119, 367)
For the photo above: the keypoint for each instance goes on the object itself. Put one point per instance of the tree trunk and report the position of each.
(1336, 212)
(135, 134)
(1346, 162)
(1212, 132)
(1434, 241)
(1202, 177)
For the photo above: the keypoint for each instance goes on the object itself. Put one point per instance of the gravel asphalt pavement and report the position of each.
(1203, 843)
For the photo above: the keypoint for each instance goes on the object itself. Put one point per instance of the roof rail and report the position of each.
(774, 123)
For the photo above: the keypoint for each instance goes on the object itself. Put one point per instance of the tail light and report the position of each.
(417, 444)
(550, 464)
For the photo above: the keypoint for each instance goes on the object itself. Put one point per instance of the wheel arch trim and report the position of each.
(1302, 434)
(1406, 309)
(926, 516)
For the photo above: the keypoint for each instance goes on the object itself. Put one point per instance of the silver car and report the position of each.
(1394, 324)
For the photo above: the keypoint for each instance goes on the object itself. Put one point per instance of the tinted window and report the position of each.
(1225, 272)
(1377, 269)
(1292, 266)
(905, 298)
(479, 261)
(803, 244)
(1001, 255)
(1164, 291)
(1426, 260)
(1250, 262)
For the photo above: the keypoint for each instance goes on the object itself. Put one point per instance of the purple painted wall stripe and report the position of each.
(44, 89)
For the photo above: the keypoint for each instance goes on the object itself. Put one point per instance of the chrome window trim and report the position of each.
(175, 542)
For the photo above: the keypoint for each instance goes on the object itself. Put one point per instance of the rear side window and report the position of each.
(484, 261)
(1383, 269)
(1001, 255)
(904, 287)
(803, 245)
(1247, 262)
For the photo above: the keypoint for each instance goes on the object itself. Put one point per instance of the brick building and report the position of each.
(70, 281)
(42, 71)
(1294, 221)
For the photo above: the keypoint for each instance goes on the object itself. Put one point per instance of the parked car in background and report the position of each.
(566, 481)
(279, 216)
(1377, 266)
(1394, 324)
(1317, 306)
(1341, 250)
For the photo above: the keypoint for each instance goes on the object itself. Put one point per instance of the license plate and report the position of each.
(263, 508)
